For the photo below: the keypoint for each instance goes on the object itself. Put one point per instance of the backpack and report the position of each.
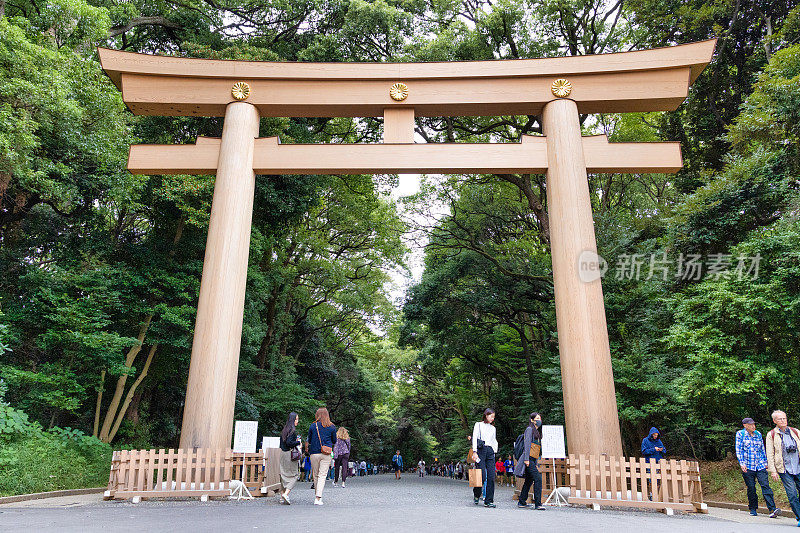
(519, 447)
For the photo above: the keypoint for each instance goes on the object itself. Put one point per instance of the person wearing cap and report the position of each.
(752, 458)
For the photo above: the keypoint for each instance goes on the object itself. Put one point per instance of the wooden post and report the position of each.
(398, 125)
(214, 367)
(590, 404)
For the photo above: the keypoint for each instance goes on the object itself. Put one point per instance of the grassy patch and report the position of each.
(41, 461)
(722, 482)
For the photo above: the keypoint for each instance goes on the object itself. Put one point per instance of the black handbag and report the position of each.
(296, 455)
(479, 443)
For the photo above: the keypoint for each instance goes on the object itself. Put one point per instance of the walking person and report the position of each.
(307, 468)
(783, 461)
(527, 465)
(341, 454)
(321, 438)
(484, 448)
(500, 468)
(752, 458)
(397, 464)
(290, 457)
(421, 468)
(509, 464)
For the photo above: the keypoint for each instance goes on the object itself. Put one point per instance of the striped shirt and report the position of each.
(750, 450)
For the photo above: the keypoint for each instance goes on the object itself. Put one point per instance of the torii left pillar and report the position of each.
(214, 367)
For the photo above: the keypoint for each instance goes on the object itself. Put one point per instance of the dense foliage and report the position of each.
(100, 269)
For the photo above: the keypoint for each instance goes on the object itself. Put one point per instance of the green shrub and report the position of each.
(34, 460)
(40, 461)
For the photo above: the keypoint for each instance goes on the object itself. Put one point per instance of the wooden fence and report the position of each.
(253, 472)
(668, 484)
(262, 472)
(555, 472)
(621, 482)
(140, 474)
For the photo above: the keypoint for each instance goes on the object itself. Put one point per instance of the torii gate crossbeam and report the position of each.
(558, 89)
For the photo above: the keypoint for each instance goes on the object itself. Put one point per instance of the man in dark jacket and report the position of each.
(652, 447)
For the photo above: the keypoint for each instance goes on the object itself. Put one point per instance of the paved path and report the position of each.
(373, 503)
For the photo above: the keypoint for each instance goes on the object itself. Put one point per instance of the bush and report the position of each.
(40, 461)
(34, 460)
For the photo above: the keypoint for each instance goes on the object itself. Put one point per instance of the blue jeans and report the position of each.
(750, 478)
(791, 484)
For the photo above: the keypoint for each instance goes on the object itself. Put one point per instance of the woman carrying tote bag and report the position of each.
(290, 457)
(484, 448)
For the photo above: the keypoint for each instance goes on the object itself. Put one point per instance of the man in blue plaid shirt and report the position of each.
(753, 460)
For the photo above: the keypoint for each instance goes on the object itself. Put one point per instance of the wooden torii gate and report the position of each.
(557, 89)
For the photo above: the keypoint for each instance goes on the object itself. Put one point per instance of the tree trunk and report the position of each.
(526, 352)
(132, 413)
(129, 359)
(129, 396)
(99, 402)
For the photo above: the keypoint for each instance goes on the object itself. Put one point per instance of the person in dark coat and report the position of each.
(652, 447)
(527, 467)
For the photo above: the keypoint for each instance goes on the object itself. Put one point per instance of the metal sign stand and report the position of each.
(555, 495)
(241, 492)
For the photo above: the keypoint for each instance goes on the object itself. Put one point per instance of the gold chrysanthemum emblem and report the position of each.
(398, 91)
(240, 90)
(561, 88)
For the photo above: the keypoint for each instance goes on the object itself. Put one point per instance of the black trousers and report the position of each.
(532, 477)
(486, 455)
(342, 463)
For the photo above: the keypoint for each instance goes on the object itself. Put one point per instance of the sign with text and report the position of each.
(245, 436)
(553, 442)
(270, 442)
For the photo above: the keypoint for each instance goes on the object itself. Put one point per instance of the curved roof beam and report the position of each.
(645, 80)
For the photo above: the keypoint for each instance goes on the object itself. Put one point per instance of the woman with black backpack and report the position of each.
(527, 464)
(290, 457)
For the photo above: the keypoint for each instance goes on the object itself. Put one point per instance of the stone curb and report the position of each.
(735, 506)
(51, 494)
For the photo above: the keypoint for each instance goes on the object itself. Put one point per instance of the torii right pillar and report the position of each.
(590, 402)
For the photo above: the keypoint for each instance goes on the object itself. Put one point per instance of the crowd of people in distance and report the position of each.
(327, 446)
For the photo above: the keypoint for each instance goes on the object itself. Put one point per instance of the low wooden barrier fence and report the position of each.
(555, 473)
(667, 485)
(140, 474)
(262, 472)
(249, 468)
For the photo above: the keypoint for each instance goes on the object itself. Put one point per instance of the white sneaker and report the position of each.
(318, 501)
(342, 484)
(285, 499)
(334, 483)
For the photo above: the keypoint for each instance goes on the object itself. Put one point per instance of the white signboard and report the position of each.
(270, 442)
(245, 436)
(553, 442)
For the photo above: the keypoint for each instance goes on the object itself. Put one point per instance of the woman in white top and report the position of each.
(484, 448)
